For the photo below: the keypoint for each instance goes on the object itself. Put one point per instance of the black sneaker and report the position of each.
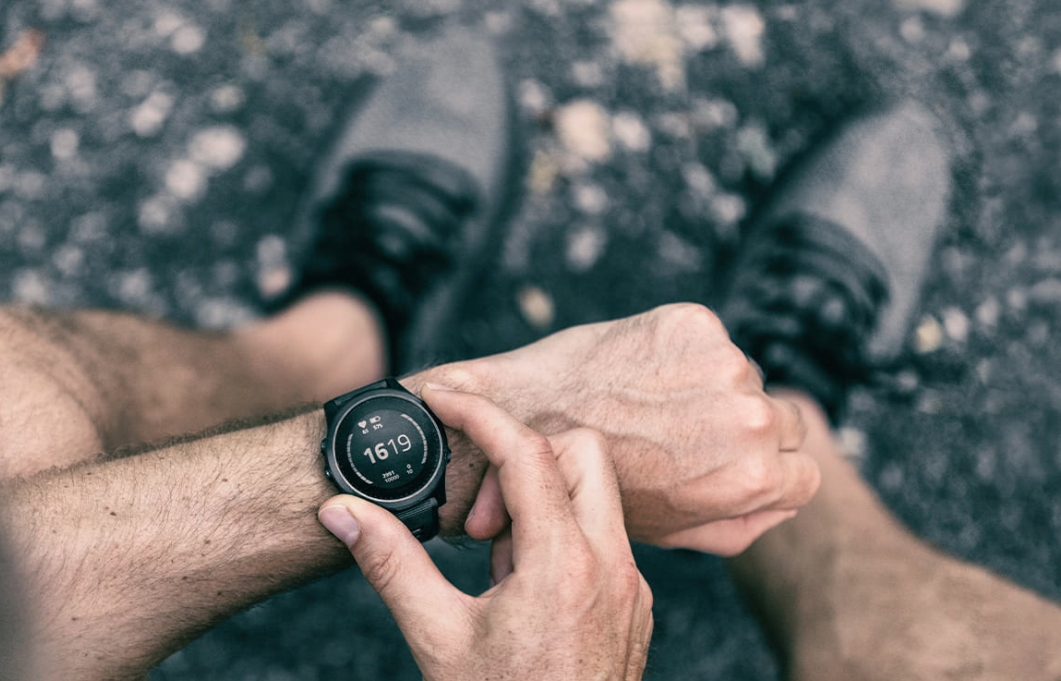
(825, 283)
(409, 200)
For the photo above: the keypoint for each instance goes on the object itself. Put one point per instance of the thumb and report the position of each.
(394, 562)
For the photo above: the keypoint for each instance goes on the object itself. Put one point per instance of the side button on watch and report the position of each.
(383, 444)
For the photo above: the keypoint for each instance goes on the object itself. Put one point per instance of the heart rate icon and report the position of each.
(362, 424)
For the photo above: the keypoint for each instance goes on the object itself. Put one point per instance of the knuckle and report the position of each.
(761, 478)
(627, 579)
(647, 599)
(459, 375)
(690, 320)
(590, 442)
(381, 569)
(757, 415)
(731, 365)
(537, 447)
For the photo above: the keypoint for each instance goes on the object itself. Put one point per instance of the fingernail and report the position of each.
(341, 523)
(438, 386)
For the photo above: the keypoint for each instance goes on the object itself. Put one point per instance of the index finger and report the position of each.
(532, 487)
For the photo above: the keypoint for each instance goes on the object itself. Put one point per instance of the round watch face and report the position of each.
(387, 447)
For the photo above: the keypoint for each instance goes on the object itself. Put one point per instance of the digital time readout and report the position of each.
(387, 448)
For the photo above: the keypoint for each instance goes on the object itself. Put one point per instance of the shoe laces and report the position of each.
(804, 304)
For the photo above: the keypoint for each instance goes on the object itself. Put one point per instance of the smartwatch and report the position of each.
(385, 445)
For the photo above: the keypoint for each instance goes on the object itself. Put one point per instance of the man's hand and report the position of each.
(569, 602)
(706, 459)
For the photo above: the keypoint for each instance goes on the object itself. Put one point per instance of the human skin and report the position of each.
(849, 594)
(130, 557)
(573, 607)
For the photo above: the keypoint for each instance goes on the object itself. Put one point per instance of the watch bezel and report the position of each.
(435, 437)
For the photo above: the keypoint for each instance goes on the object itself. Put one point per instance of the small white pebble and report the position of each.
(699, 179)
(1017, 299)
(907, 380)
(587, 74)
(31, 287)
(68, 260)
(534, 97)
(1046, 292)
(943, 8)
(31, 185)
(133, 288)
(186, 180)
(64, 143)
(852, 442)
(148, 118)
(728, 209)
(956, 324)
(753, 143)
(158, 215)
(631, 132)
(958, 50)
(271, 251)
(645, 32)
(187, 39)
(590, 198)
(912, 30)
(81, 85)
(219, 147)
(677, 124)
(498, 22)
(744, 28)
(929, 335)
(274, 281)
(537, 307)
(584, 247)
(988, 312)
(678, 254)
(985, 370)
(166, 23)
(584, 127)
(709, 114)
(227, 98)
(542, 173)
(694, 26)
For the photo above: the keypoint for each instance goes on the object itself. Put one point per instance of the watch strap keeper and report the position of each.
(422, 519)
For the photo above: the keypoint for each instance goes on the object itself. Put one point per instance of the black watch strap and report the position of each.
(422, 519)
(332, 406)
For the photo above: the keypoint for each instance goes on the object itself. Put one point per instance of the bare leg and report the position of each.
(73, 384)
(851, 595)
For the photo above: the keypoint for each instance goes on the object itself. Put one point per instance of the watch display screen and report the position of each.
(387, 447)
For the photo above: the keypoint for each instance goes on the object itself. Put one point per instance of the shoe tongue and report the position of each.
(391, 233)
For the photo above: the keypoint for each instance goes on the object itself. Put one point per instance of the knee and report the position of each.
(45, 400)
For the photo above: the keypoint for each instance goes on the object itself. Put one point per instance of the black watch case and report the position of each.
(384, 445)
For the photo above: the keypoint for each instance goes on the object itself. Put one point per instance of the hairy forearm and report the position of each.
(127, 560)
